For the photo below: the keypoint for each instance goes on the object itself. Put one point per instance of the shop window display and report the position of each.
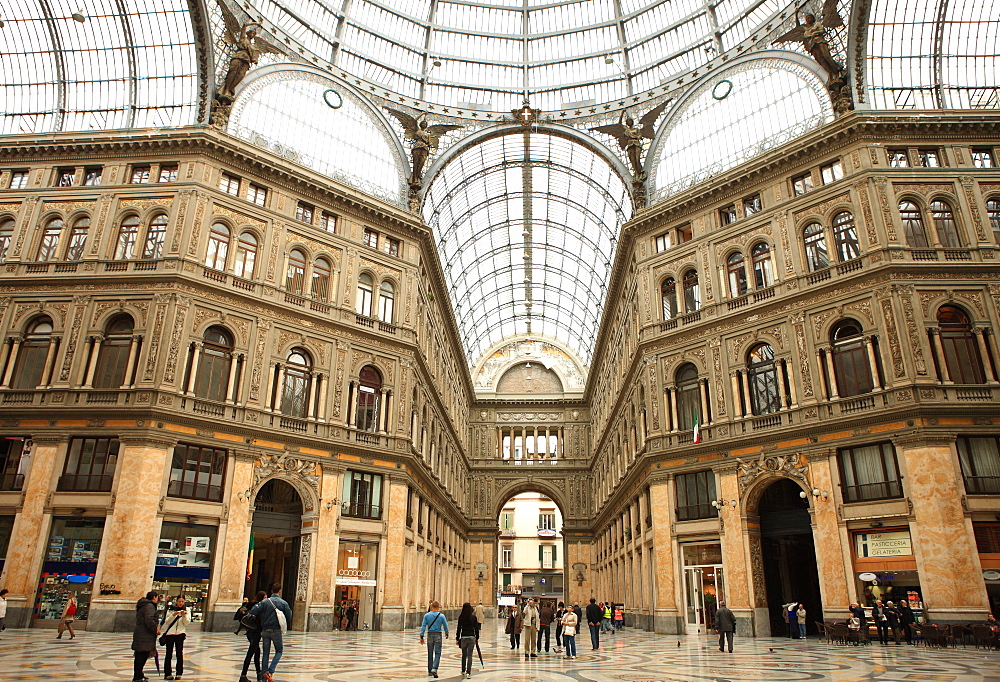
(184, 565)
(356, 583)
(70, 564)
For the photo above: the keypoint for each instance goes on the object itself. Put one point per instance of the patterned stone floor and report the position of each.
(630, 656)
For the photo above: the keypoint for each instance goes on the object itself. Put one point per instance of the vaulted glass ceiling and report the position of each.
(526, 226)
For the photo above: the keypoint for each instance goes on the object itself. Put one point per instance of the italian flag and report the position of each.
(697, 429)
(250, 558)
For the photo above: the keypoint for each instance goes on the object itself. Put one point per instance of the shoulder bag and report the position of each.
(163, 637)
(250, 621)
(282, 621)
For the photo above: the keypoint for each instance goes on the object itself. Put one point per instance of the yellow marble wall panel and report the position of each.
(735, 557)
(128, 550)
(661, 506)
(326, 545)
(231, 563)
(395, 536)
(828, 539)
(951, 576)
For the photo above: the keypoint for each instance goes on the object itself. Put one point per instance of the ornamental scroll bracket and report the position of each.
(792, 466)
(304, 470)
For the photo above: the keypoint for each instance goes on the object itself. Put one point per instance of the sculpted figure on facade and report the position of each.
(814, 36)
(423, 139)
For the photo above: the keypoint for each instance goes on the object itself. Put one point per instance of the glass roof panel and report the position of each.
(526, 226)
(128, 63)
(285, 112)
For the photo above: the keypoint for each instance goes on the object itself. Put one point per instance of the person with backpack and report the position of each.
(274, 614)
(253, 637)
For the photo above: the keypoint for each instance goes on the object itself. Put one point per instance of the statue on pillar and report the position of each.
(630, 139)
(247, 46)
(813, 36)
(423, 139)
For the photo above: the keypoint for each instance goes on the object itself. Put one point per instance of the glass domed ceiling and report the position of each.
(492, 53)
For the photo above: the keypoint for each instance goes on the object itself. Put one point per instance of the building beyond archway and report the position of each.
(276, 539)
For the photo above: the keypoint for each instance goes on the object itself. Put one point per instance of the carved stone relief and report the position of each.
(302, 580)
(73, 336)
(173, 351)
(916, 347)
(861, 189)
(892, 334)
(788, 466)
(199, 217)
(263, 326)
(968, 186)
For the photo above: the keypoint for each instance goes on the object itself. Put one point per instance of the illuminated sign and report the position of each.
(875, 545)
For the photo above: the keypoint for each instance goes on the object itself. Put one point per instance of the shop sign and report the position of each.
(991, 575)
(892, 543)
(867, 577)
(360, 582)
(546, 533)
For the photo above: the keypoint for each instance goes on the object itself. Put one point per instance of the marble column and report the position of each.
(942, 361)
(737, 552)
(872, 363)
(131, 531)
(951, 575)
(30, 534)
(831, 372)
(133, 349)
(834, 583)
(232, 544)
(393, 609)
(984, 353)
(325, 551)
(15, 346)
(667, 614)
(193, 376)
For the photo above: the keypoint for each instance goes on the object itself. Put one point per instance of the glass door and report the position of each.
(703, 587)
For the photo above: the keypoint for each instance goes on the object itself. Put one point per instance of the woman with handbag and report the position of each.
(176, 620)
(569, 622)
(68, 616)
(253, 637)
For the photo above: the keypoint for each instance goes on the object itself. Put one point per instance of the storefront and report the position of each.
(703, 585)
(988, 545)
(885, 568)
(6, 526)
(357, 566)
(184, 565)
(70, 564)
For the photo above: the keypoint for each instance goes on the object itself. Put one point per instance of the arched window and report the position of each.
(112, 359)
(763, 275)
(30, 362)
(817, 257)
(944, 223)
(218, 247)
(213, 365)
(321, 279)
(992, 212)
(246, 255)
(366, 288)
(737, 274)
(668, 298)
(845, 236)
(295, 276)
(128, 232)
(78, 238)
(688, 397)
(6, 234)
(156, 233)
(295, 392)
(850, 360)
(762, 374)
(692, 295)
(369, 394)
(961, 355)
(50, 240)
(386, 301)
(913, 224)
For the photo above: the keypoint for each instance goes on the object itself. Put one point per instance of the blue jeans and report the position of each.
(569, 641)
(433, 651)
(468, 647)
(595, 635)
(268, 636)
(802, 630)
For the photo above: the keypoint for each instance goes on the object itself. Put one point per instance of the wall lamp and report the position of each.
(815, 492)
(720, 503)
(330, 504)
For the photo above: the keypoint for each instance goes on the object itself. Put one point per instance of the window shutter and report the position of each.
(541, 553)
(555, 557)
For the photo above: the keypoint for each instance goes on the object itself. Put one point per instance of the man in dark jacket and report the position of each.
(144, 635)
(725, 625)
(594, 616)
(271, 628)
(545, 618)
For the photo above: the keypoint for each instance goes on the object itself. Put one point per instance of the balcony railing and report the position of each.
(195, 491)
(866, 492)
(85, 483)
(982, 485)
(366, 437)
(9, 482)
(361, 511)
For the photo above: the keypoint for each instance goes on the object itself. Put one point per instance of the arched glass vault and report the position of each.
(526, 225)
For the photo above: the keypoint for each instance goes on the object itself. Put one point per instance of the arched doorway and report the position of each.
(276, 537)
(531, 554)
(788, 554)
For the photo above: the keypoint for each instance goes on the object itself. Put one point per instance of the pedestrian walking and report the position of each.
(619, 618)
(800, 618)
(892, 616)
(545, 618)
(791, 620)
(3, 610)
(435, 624)
(253, 640)
(513, 628)
(570, 621)
(240, 612)
(530, 622)
(480, 612)
(144, 634)
(467, 634)
(68, 616)
(174, 633)
(560, 612)
(274, 615)
(725, 625)
(350, 615)
(906, 619)
(606, 618)
(881, 619)
(594, 615)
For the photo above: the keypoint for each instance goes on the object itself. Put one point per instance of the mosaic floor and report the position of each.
(630, 656)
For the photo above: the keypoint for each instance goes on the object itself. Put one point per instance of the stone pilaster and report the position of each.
(326, 550)
(392, 573)
(667, 616)
(743, 595)
(828, 539)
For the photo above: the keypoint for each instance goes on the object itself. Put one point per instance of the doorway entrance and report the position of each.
(276, 536)
(531, 552)
(703, 586)
(789, 556)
